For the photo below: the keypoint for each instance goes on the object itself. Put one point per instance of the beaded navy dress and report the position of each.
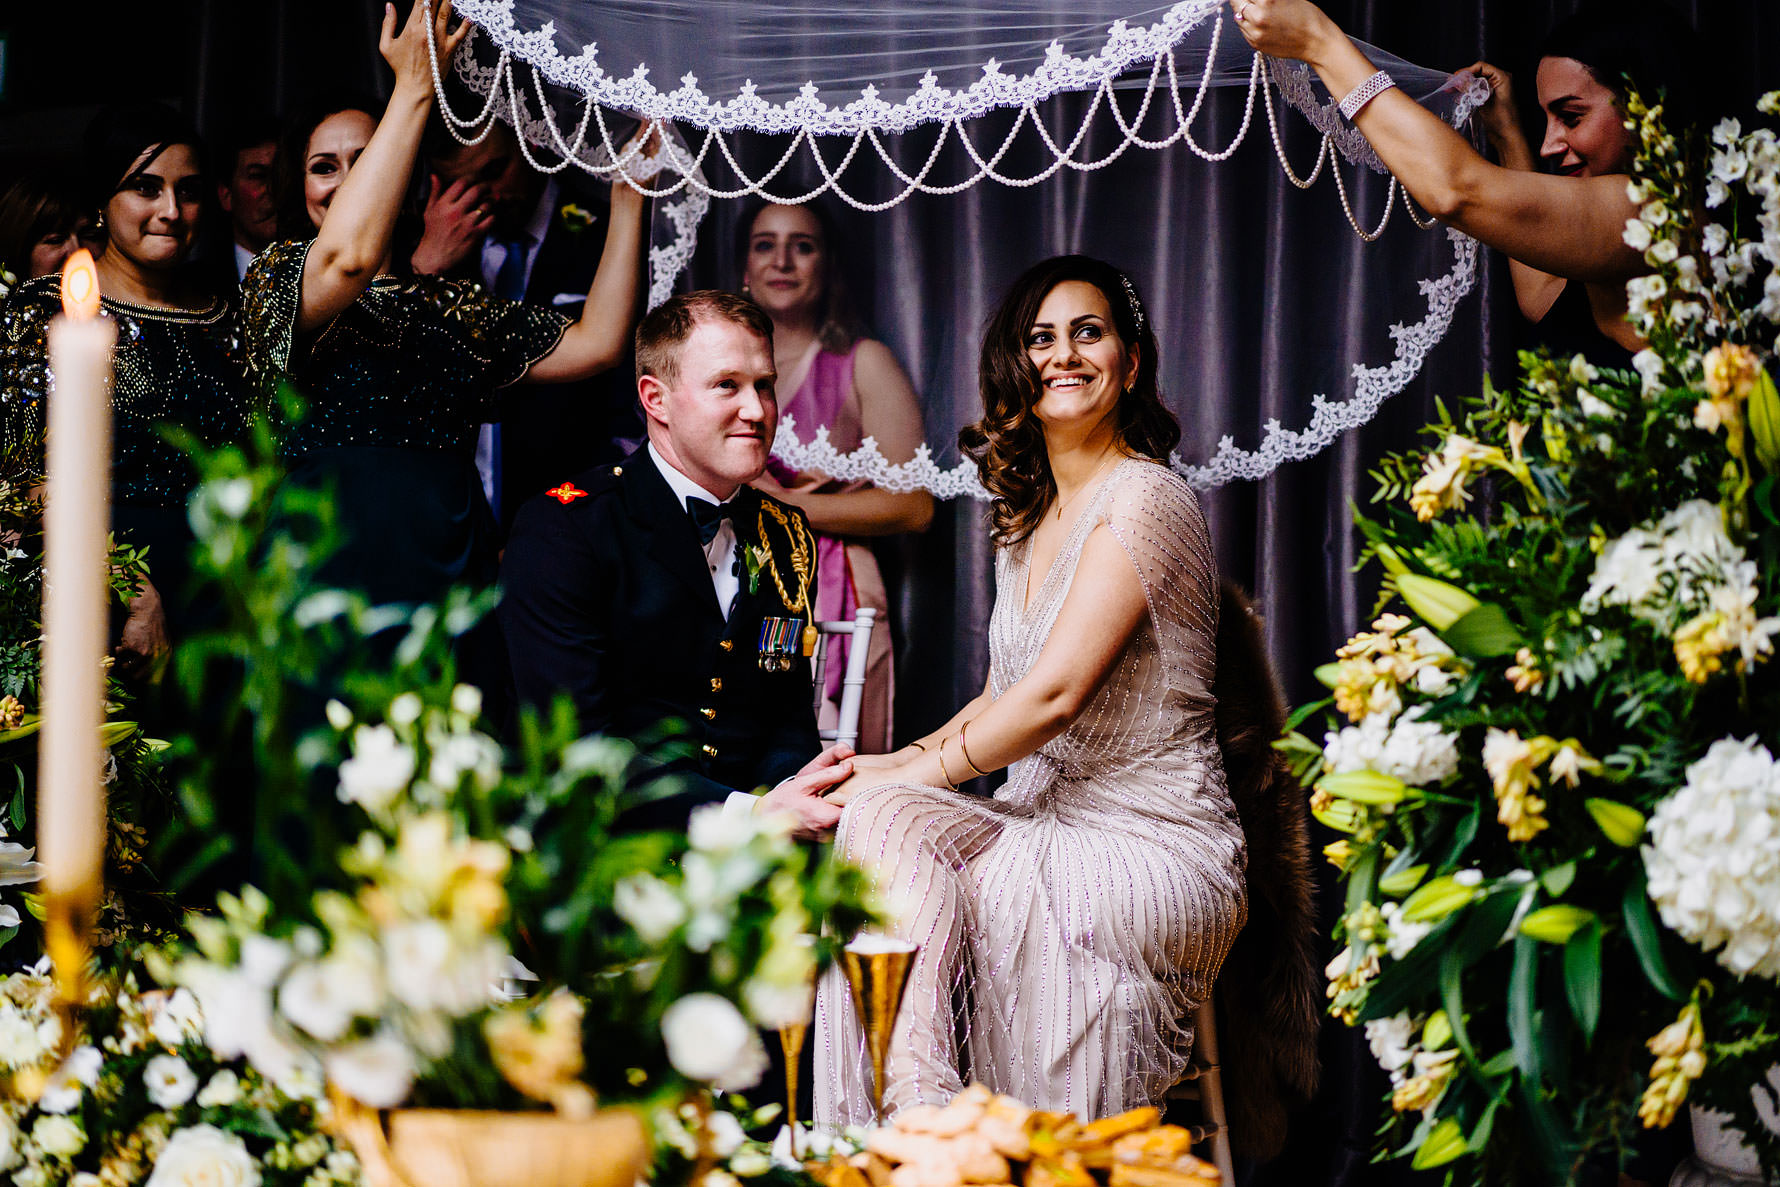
(174, 370)
(394, 389)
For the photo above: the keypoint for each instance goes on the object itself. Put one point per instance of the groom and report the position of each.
(664, 587)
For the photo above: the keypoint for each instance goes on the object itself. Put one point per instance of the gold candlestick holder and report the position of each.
(877, 975)
(791, 1043)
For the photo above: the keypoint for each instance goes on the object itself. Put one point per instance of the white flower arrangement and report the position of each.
(370, 1001)
(1713, 861)
(127, 1109)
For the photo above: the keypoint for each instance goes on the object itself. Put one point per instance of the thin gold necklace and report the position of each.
(1085, 485)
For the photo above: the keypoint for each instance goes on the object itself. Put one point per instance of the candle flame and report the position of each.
(80, 286)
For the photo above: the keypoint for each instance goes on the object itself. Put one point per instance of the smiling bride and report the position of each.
(1069, 926)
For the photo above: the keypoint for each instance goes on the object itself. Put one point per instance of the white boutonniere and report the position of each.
(754, 558)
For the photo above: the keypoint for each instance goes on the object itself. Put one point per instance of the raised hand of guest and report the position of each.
(353, 243)
(597, 341)
(1500, 118)
(456, 218)
(143, 644)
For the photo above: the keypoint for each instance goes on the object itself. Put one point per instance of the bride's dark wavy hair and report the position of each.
(1008, 443)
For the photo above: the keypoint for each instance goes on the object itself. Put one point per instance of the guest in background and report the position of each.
(42, 221)
(526, 236)
(398, 371)
(832, 375)
(246, 190)
(179, 362)
(1564, 229)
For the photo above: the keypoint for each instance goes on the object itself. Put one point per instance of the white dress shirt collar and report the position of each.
(720, 553)
(683, 487)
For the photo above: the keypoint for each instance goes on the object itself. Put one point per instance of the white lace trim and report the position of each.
(1125, 48)
(1279, 445)
(807, 118)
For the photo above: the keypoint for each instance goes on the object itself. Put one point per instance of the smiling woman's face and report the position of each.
(333, 148)
(153, 220)
(1585, 132)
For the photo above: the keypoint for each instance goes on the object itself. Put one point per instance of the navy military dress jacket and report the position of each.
(607, 597)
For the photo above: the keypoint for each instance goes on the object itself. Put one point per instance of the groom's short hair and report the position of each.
(664, 329)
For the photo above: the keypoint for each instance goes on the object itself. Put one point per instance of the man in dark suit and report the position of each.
(527, 237)
(663, 587)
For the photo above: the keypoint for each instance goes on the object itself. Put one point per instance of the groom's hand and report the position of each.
(839, 752)
(801, 795)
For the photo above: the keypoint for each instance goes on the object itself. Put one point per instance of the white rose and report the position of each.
(31, 1176)
(378, 1071)
(725, 1134)
(71, 1080)
(416, 959)
(324, 997)
(223, 1090)
(204, 1156)
(649, 905)
(169, 1081)
(19, 1044)
(778, 1005)
(59, 1137)
(9, 1142)
(710, 829)
(178, 1021)
(708, 1040)
(1716, 239)
(379, 770)
(1636, 235)
(86, 1179)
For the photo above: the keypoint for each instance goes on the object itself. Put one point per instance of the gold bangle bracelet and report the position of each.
(964, 749)
(943, 773)
(919, 747)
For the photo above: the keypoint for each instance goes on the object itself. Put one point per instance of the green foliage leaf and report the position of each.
(1641, 927)
(1483, 633)
(1582, 978)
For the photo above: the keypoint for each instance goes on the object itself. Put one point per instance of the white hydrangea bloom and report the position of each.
(1418, 752)
(1713, 860)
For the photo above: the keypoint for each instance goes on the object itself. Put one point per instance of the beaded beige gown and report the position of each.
(1069, 926)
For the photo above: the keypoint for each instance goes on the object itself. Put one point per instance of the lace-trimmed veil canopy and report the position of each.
(874, 103)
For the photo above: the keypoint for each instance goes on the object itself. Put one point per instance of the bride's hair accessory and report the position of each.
(1131, 296)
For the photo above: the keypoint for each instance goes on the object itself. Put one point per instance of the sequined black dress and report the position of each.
(395, 388)
(175, 369)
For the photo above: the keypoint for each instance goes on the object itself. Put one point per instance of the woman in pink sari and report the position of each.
(831, 375)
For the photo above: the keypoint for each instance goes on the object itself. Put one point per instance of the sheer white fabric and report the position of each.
(1069, 926)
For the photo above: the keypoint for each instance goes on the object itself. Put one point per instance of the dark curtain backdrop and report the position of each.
(1261, 295)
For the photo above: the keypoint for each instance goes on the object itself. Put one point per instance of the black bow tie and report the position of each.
(708, 516)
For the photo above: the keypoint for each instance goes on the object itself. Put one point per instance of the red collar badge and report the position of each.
(567, 493)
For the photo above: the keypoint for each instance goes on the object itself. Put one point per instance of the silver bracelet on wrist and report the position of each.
(1364, 94)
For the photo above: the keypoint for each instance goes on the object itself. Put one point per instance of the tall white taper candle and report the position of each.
(70, 793)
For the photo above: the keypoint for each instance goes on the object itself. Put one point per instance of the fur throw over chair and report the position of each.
(1269, 995)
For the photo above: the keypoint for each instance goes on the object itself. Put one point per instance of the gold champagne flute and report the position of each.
(877, 969)
(791, 1042)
